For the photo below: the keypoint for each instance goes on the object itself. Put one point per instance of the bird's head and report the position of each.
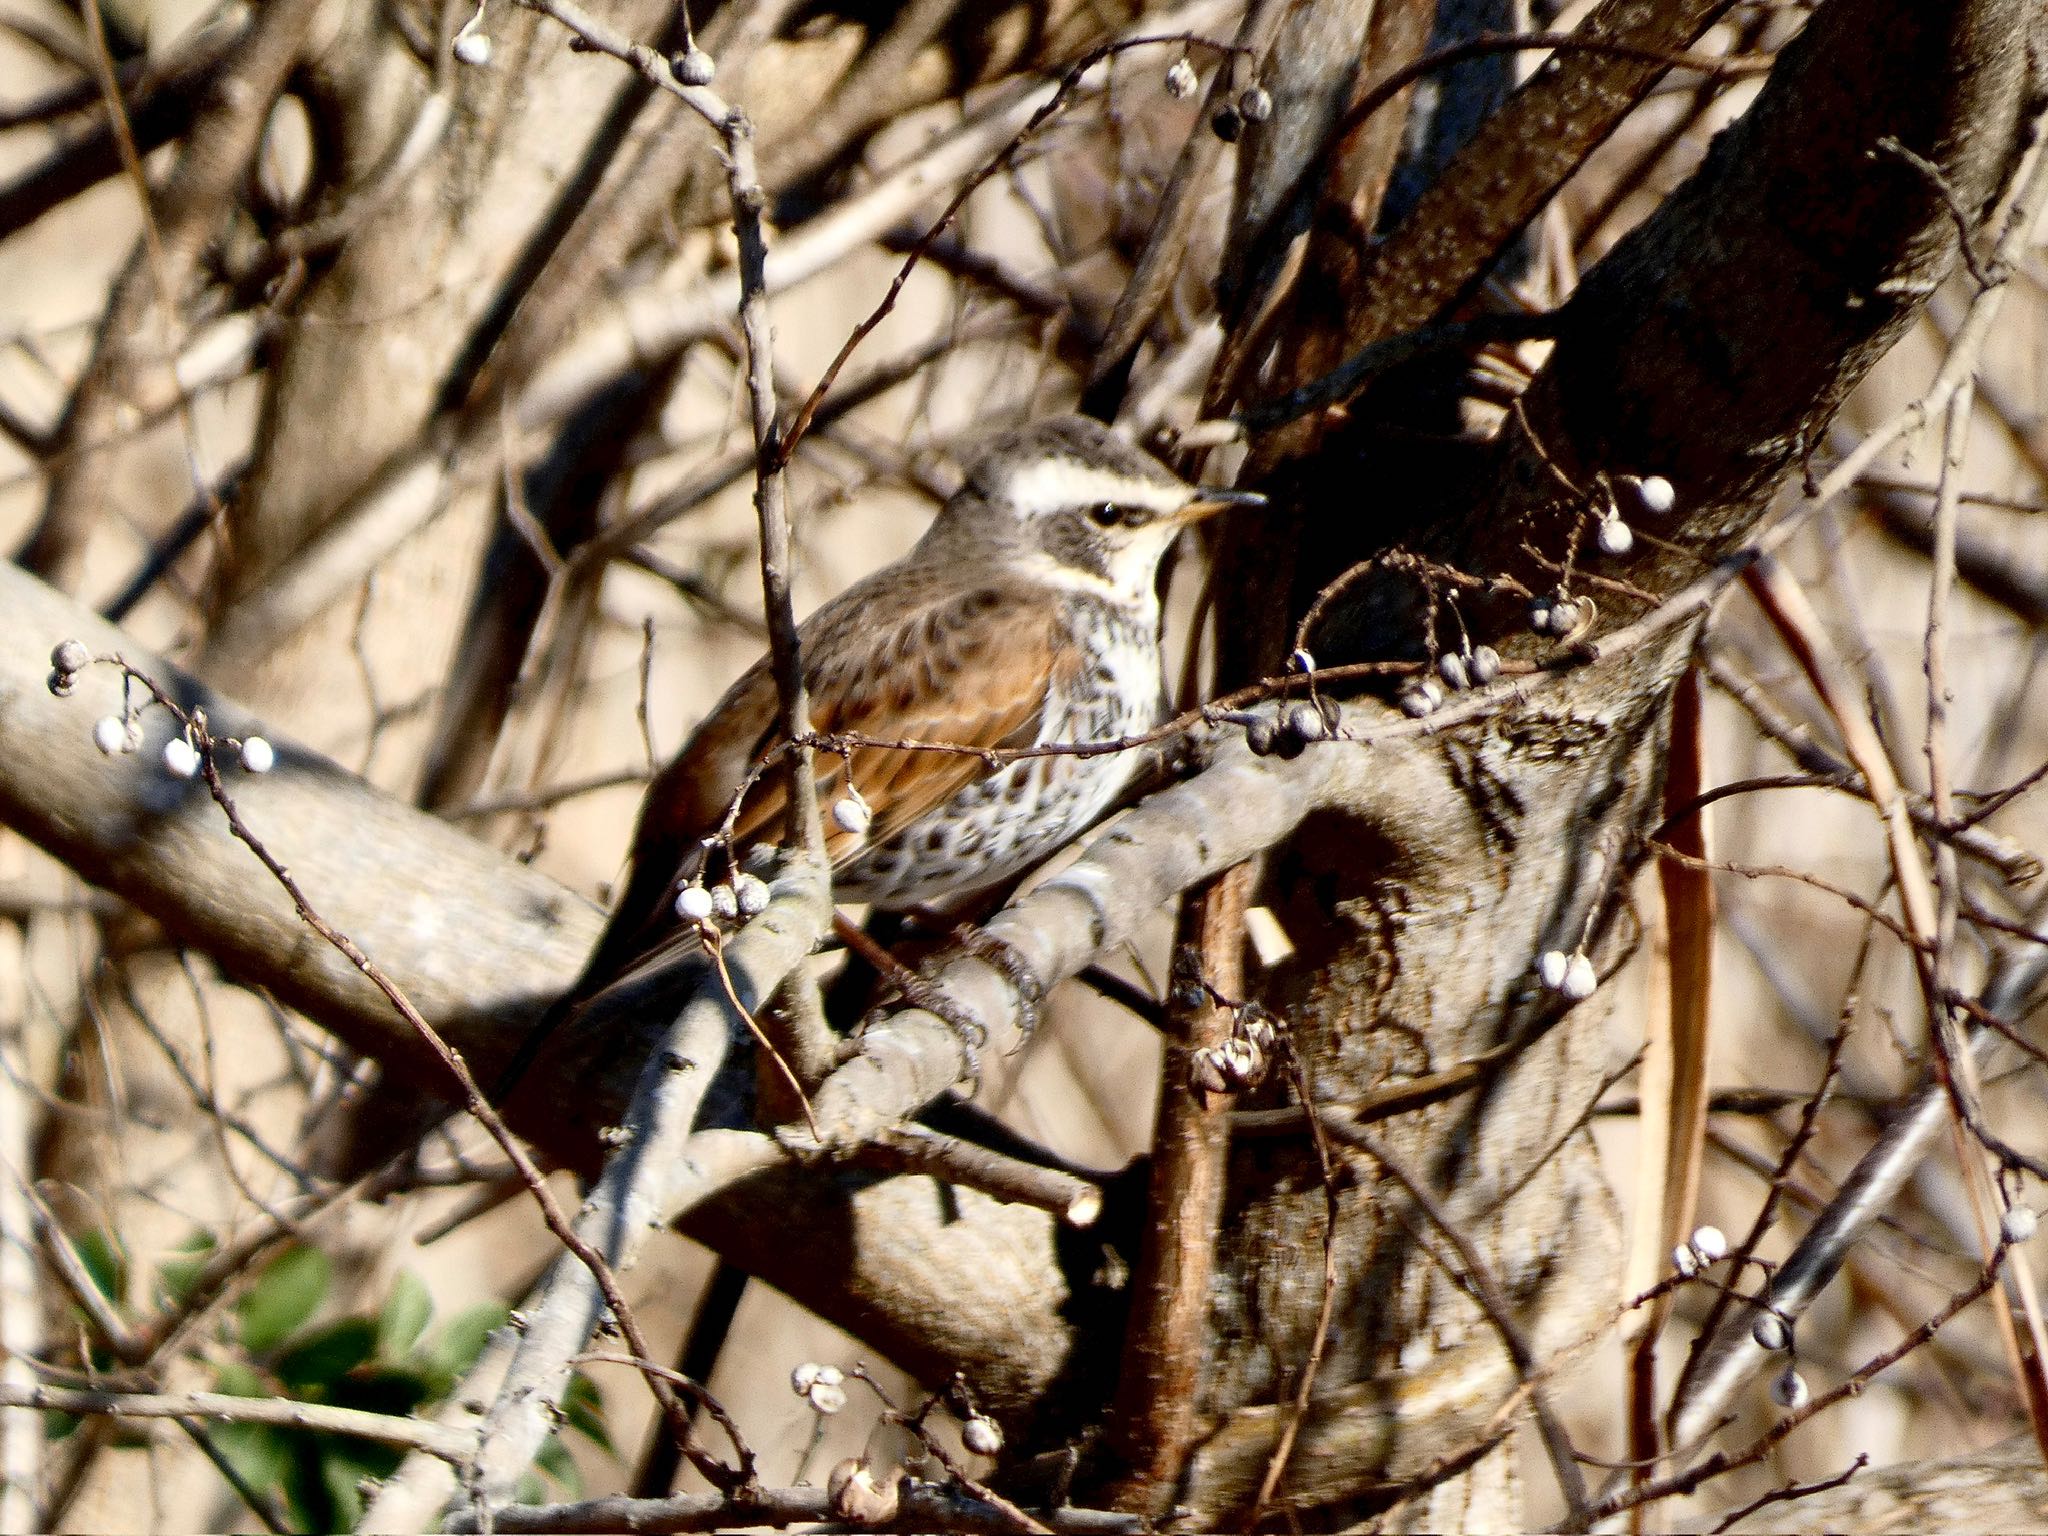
(1095, 510)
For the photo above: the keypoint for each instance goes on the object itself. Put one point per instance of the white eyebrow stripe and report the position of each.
(1052, 485)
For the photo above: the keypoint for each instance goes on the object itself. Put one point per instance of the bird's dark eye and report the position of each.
(1110, 515)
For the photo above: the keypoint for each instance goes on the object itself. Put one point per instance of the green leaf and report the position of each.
(329, 1353)
(554, 1459)
(285, 1295)
(176, 1275)
(583, 1411)
(462, 1340)
(305, 1487)
(343, 1465)
(406, 1313)
(260, 1454)
(238, 1380)
(105, 1260)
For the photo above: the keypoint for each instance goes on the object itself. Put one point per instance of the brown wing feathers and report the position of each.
(969, 669)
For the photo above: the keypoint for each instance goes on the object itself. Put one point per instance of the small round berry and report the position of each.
(181, 758)
(1259, 734)
(61, 683)
(1789, 1390)
(1180, 79)
(1227, 125)
(753, 893)
(827, 1397)
(1542, 615)
(857, 1498)
(852, 816)
(1685, 1261)
(1581, 981)
(2018, 1223)
(1564, 618)
(1302, 661)
(473, 48)
(1614, 537)
(1452, 669)
(1550, 968)
(981, 1436)
(693, 66)
(694, 904)
(1305, 721)
(804, 1377)
(258, 755)
(1484, 666)
(70, 656)
(1711, 1244)
(1416, 702)
(1255, 105)
(110, 734)
(1771, 1333)
(725, 903)
(1654, 492)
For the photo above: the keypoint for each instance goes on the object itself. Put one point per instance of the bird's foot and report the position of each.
(1010, 962)
(919, 989)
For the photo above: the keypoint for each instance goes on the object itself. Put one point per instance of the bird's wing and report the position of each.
(967, 672)
(967, 668)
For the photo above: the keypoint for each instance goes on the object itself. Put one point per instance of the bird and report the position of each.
(1026, 616)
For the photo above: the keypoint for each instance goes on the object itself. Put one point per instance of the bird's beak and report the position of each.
(1208, 500)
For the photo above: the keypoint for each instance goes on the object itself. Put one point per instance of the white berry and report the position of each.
(1657, 494)
(1180, 80)
(2018, 1223)
(473, 48)
(258, 755)
(181, 758)
(693, 66)
(852, 816)
(1484, 666)
(1710, 1243)
(1615, 537)
(827, 1397)
(1685, 1261)
(1581, 981)
(1789, 1390)
(981, 1436)
(1771, 1333)
(1551, 966)
(752, 892)
(110, 734)
(804, 1377)
(694, 903)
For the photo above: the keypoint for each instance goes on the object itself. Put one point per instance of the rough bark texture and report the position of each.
(1712, 344)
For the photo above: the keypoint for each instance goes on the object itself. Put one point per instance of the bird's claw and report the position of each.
(1010, 962)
